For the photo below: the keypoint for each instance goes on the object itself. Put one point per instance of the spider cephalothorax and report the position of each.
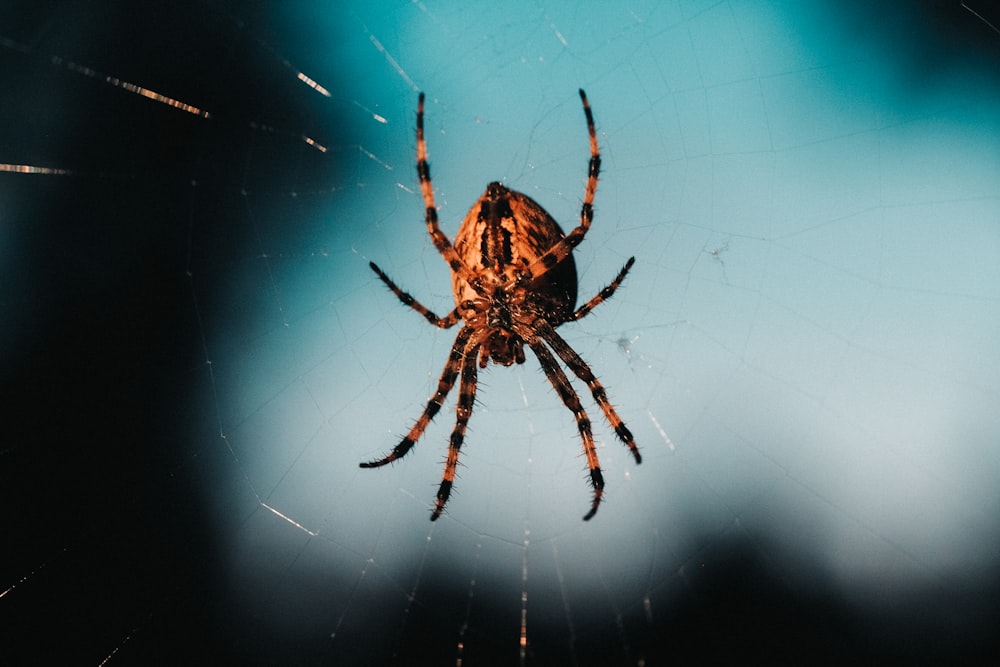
(514, 281)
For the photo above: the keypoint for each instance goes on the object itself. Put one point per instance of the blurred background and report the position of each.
(196, 356)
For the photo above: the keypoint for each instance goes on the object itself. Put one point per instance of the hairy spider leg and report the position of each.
(445, 322)
(570, 399)
(445, 383)
(441, 241)
(582, 371)
(559, 251)
(540, 335)
(463, 410)
(603, 295)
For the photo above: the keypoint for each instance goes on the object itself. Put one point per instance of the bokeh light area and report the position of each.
(198, 355)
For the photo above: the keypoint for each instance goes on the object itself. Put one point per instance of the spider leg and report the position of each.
(604, 294)
(463, 410)
(441, 241)
(582, 371)
(445, 383)
(559, 251)
(569, 398)
(445, 322)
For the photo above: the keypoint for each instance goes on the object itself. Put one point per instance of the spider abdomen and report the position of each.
(503, 233)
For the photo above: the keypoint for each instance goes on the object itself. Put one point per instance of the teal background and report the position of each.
(197, 355)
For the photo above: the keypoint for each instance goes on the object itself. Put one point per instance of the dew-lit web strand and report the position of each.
(196, 111)
(263, 255)
(523, 634)
(130, 87)
(142, 91)
(24, 578)
(980, 17)
(392, 61)
(152, 95)
(31, 169)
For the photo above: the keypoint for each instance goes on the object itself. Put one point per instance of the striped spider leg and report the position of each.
(514, 282)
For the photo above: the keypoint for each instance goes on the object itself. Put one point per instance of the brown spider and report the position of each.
(514, 281)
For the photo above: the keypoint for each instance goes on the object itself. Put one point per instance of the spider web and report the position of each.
(197, 357)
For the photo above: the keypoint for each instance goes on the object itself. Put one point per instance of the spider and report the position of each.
(514, 282)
